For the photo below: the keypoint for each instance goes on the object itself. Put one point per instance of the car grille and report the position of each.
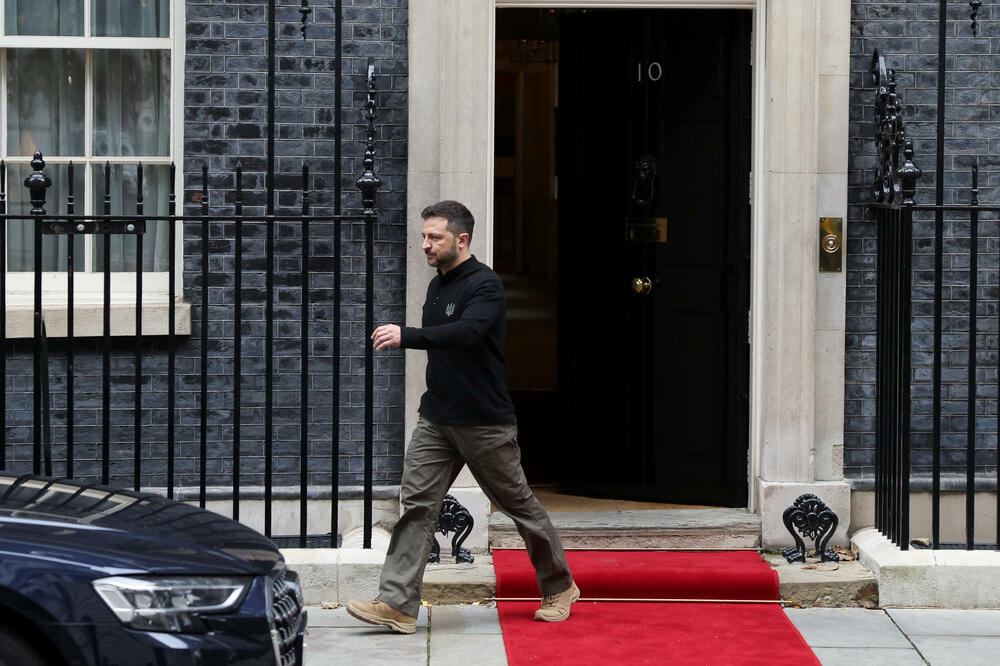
(287, 607)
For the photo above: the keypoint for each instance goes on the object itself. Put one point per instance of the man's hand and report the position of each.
(386, 336)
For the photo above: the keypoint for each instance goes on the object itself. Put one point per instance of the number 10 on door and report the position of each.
(653, 71)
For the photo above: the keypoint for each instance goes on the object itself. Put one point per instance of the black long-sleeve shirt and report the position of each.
(463, 329)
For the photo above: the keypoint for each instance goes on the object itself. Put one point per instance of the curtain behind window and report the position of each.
(44, 17)
(132, 117)
(130, 18)
(45, 111)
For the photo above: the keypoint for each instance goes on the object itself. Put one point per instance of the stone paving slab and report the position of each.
(462, 635)
(465, 620)
(959, 650)
(868, 657)
(364, 644)
(466, 649)
(935, 622)
(338, 617)
(846, 628)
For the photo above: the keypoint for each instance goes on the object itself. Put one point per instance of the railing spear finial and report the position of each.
(37, 183)
(908, 174)
(305, 10)
(975, 5)
(369, 182)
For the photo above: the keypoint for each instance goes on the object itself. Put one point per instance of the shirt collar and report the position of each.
(463, 268)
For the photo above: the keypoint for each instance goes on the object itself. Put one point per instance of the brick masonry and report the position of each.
(224, 102)
(906, 34)
(224, 125)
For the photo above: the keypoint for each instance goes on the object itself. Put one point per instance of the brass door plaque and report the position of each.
(831, 242)
(646, 229)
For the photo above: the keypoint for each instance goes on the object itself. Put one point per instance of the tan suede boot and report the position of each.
(379, 612)
(555, 607)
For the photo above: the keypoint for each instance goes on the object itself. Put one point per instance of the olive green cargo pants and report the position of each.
(433, 460)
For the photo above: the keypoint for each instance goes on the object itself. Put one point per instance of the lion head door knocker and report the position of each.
(644, 185)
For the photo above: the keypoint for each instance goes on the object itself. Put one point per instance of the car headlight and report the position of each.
(154, 603)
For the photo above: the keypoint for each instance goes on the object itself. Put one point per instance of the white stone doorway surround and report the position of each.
(800, 144)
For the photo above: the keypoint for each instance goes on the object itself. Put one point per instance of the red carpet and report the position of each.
(651, 633)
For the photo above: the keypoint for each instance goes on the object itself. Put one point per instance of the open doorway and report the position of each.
(526, 222)
(621, 232)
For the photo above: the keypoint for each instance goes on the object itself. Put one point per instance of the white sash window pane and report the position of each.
(21, 233)
(155, 242)
(45, 101)
(131, 103)
(131, 18)
(43, 17)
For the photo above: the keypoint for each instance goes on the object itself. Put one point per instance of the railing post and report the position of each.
(893, 193)
(37, 182)
(369, 183)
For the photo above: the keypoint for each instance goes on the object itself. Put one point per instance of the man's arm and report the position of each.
(484, 306)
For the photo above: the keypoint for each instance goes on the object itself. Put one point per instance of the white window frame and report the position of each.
(88, 293)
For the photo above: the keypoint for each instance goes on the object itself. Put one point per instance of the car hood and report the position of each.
(119, 531)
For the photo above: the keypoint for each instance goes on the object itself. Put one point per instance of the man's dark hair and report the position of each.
(460, 220)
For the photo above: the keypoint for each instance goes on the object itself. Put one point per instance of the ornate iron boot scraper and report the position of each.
(453, 518)
(815, 520)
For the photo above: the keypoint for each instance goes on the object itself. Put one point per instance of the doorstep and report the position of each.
(669, 528)
(849, 585)
(338, 575)
(816, 584)
(450, 583)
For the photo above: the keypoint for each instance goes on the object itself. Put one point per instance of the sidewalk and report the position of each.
(446, 636)
(460, 635)
(900, 637)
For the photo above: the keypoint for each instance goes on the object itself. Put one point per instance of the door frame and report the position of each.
(800, 165)
(757, 191)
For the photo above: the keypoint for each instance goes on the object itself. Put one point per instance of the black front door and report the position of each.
(653, 368)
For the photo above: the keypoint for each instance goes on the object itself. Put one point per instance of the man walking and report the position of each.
(466, 417)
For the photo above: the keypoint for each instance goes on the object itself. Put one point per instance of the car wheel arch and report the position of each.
(43, 631)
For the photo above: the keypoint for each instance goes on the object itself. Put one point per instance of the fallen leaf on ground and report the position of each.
(330, 605)
(822, 567)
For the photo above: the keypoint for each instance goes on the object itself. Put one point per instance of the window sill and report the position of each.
(88, 320)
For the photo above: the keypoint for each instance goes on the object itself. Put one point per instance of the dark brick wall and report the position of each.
(224, 125)
(906, 34)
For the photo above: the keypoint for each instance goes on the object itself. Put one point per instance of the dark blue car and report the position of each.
(97, 576)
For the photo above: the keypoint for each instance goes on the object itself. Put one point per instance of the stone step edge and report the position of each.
(506, 529)
(339, 575)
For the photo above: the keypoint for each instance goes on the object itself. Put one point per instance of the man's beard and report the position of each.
(445, 258)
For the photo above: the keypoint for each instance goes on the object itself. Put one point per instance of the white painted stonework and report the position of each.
(799, 147)
(778, 496)
(928, 578)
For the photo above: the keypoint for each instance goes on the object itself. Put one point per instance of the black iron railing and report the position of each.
(105, 226)
(893, 201)
(892, 193)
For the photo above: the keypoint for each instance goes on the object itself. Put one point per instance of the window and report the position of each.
(91, 82)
